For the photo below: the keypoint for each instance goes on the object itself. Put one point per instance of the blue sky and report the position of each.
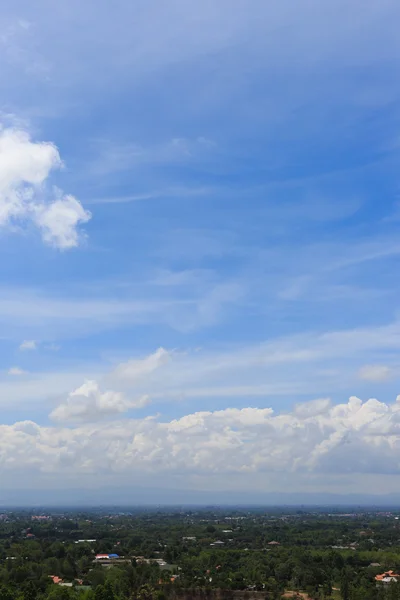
(199, 218)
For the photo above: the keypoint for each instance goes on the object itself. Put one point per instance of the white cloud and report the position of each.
(293, 367)
(25, 167)
(89, 403)
(28, 345)
(257, 446)
(136, 369)
(312, 409)
(375, 373)
(59, 220)
(16, 371)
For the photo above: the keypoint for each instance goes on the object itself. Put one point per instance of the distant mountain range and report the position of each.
(170, 497)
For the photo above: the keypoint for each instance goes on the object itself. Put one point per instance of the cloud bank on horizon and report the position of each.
(199, 225)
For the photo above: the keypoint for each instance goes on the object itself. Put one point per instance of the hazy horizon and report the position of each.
(183, 498)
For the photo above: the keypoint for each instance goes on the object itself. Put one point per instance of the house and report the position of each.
(141, 560)
(160, 562)
(273, 544)
(56, 579)
(217, 543)
(387, 577)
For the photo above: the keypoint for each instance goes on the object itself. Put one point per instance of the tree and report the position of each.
(108, 593)
(30, 591)
(327, 589)
(210, 529)
(59, 593)
(6, 593)
(344, 586)
(99, 593)
(146, 592)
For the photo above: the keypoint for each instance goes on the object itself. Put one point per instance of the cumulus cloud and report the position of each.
(89, 403)
(59, 220)
(355, 437)
(375, 373)
(25, 167)
(28, 345)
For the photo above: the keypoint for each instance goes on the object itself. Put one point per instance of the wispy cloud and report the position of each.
(28, 345)
(375, 373)
(114, 157)
(34, 311)
(16, 371)
(152, 195)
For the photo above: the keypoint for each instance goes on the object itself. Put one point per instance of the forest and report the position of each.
(197, 553)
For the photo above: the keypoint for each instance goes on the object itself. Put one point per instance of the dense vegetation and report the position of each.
(182, 554)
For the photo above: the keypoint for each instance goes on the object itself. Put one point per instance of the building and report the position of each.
(387, 577)
(108, 560)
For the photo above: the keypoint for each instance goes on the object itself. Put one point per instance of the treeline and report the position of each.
(245, 565)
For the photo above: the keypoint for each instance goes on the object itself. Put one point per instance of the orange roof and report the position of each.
(55, 578)
(386, 574)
